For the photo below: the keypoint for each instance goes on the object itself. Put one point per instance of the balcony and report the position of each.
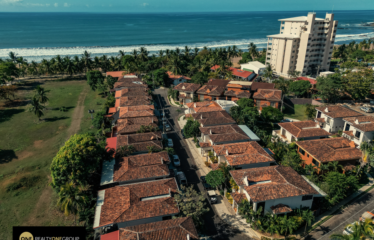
(277, 133)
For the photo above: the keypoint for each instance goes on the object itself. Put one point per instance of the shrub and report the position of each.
(207, 164)
(26, 182)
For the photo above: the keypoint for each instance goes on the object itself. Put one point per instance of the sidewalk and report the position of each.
(172, 102)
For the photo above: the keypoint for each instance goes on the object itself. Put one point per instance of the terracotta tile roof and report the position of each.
(205, 144)
(135, 83)
(235, 71)
(132, 125)
(218, 82)
(116, 105)
(268, 94)
(130, 78)
(111, 236)
(111, 143)
(363, 123)
(125, 203)
(281, 208)
(214, 166)
(206, 106)
(187, 87)
(112, 110)
(350, 133)
(238, 197)
(184, 96)
(321, 120)
(172, 76)
(261, 85)
(115, 73)
(141, 167)
(253, 154)
(136, 111)
(140, 141)
(240, 94)
(331, 149)
(304, 129)
(173, 229)
(133, 92)
(211, 90)
(312, 81)
(232, 85)
(213, 118)
(224, 133)
(338, 111)
(134, 101)
(273, 182)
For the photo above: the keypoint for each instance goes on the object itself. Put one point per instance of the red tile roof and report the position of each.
(115, 73)
(212, 118)
(268, 94)
(134, 101)
(135, 83)
(304, 129)
(133, 92)
(110, 236)
(363, 123)
(172, 76)
(132, 125)
(261, 85)
(235, 71)
(331, 149)
(141, 166)
(338, 111)
(320, 120)
(281, 208)
(254, 154)
(273, 182)
(125, 203)
(173, 229)
(187, 87)
(112, 110)
(111, 143)
(350, 133)
(205, 144)
(141, 141)
(238, 197)
(207, 106)
(224, 133)
(211, 90)
(312, 81)
(136, 111)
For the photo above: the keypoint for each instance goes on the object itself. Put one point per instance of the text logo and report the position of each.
(26, 236)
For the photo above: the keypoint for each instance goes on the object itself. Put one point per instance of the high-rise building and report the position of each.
(304, 44)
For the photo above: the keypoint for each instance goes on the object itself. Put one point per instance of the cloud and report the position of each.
(56, 4)
(67, 5)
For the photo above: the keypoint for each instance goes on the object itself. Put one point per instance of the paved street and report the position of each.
(214, 226)
(350, 214)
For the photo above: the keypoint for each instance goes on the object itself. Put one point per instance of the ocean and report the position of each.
(44, 35)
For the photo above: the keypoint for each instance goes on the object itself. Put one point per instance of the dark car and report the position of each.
(202, 178)
(182, 134)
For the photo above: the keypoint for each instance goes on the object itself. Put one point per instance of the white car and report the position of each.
(349, 229)
(167, 127)
(164, 121)
(176, 160)
(170, 143)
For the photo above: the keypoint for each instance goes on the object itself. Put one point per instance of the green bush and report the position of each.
(25, 182)
(98, 119)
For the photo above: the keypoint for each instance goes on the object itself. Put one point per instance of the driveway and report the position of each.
(215, 228)
(350, 214)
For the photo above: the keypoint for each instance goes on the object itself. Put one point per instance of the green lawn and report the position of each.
(93, 101)
(27, 148)
(297, 113)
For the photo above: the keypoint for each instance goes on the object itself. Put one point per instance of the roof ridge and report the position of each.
(286, 179)
(180, 225)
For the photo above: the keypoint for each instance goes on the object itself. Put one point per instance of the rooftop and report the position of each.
(311, 80)
(134, 101)
(141, 141)
(135, 83)
(280, 208)
(131, 125)
(331, 149)
(235, 71)
(283, 36)
(187, 87)
(173, 229)
(172, 76)
(304, 129)
(261, 85)
(338, 111)
(117, 73)
(135, 201)
(225, 133)
(268, 94)
(211, 90)
(126, 92)
(206, 106)
(135, 167)
(212, 118)
(273, 182)
(241, 83)
(255, 63)
(136, 111)
(363, 123)
(299, 19)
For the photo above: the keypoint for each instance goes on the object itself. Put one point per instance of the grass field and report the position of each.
(27, 148)
(297, 113)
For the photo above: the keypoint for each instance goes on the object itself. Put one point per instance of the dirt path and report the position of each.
(78, 113)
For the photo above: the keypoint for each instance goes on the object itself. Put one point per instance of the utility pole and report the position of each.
(318, 70)
(282, 103)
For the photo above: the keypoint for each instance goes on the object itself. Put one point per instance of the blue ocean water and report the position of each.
(43, 35)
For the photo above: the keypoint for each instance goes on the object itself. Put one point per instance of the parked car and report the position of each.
(176, 161)
(367, 109)
(366, 215)
(181, 178)
(202, 178)
(212, 196)
(349, 229)
(167, 127)
(182, 134)
(170, 143)
(164, 120)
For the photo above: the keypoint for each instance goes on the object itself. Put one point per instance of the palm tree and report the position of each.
(335, 165)
(36, 107)
(252, 49)
(359, 230)
(68, 66)
(288, 225)
(86, 60)
(186, 51)
(308, 217)
(121, 53)
(282, 84)
(124, 151)
(268, 72)
(40, 94)
(195, 51)
(13, 57)
(151, 149)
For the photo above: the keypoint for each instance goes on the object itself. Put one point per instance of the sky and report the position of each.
(180, 5)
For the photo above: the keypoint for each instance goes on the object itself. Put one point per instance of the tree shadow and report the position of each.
(58, 108)
(7, 156)
(16, 103)
(53, 119)
(7, 114)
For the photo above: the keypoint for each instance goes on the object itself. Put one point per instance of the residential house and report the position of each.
(173, 229)
(243, 155)
(135, 168)
(186, 91)
(212, 118)
(226, 105)
(267, 97)
(312, 81)
(129, 83)
(303, 130)
(131, 92)
(136, 111)
(140, 203)
(323, 151)
(223, 134)
(238, 89)
(141, 142)
(255, 86)
(254, 66)
(134, 125)
(133, 101)
(238, 73)
(331, 117)
(213, 90)
(207, 106)
(359, 129)
(176, 79)
(277, 189)
(120, 74)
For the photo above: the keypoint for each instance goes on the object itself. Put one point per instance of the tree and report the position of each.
(200, 78)
(110, 101)
(36, 107)
(94, 79)
(329, 87)
(294, 74)
(252, 49)
(191, 129)
(98, 120)
(282, 84)
(268, 72)
(310, 111)
(292, 159)
(245, 102)
(191, 204)
(215, 178)
(8, 71)
(359, 230)
(300, 88)
(339, 185)
(308, 217)
(124, 151)
(78, 161)
(272, 115)
(6, 92)
(160, 77)
(111, 81)
(41, 94)
(358, 84)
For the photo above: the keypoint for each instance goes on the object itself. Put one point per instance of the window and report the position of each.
(307, 155)
(307, 197)
(357, 134)
(201, 97)
(272, 104)
(301, 151)
(315, 162)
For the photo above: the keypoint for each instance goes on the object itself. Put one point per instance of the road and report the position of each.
(214, 226)
(350, 214)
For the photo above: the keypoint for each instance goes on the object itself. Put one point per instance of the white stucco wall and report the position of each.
(292, 202)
